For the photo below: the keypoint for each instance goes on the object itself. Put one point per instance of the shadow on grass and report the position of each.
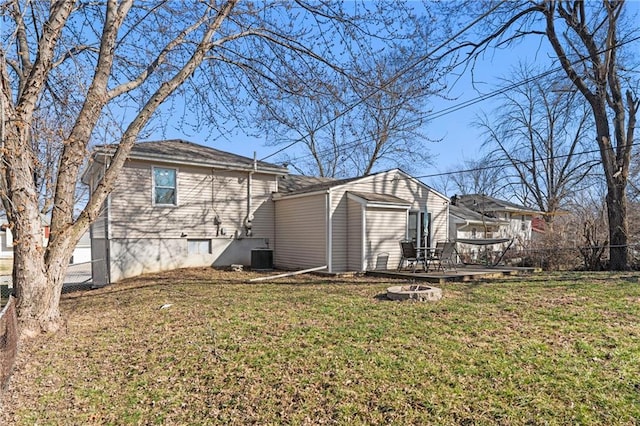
(382, 297)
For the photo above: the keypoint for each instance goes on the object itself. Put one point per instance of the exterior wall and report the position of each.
(470, 252)
(99, 268)
(519, 229)
(301, 235)
(81, 255)
(202, 196)
(355, 220)
(132, 257)
(382, 229)
(6, 244)
(393, 183)
(212, 206)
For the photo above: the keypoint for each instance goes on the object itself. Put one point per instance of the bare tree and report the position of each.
(544, 133)
(370, 116)
(108, 68)
(590, 40)
(481, 176)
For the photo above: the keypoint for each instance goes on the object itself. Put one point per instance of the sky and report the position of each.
(458, 139)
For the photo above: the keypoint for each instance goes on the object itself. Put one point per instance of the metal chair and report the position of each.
(411, 255)
(443, 256)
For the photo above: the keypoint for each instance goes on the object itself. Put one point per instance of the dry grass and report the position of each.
(556, 349)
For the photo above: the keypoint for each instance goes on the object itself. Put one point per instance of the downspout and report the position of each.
(329, 253)
(107, 230)
(363, 257)
(446, 222)
(249, 218)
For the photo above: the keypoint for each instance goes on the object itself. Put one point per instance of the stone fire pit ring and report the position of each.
(420, 293)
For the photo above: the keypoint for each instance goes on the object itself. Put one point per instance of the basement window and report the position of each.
(199, 246)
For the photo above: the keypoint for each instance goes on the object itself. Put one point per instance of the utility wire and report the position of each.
(390, 81)
(354, 143)
(446, 111)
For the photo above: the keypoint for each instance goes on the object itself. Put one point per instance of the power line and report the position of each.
(390, 81)
(443, 112)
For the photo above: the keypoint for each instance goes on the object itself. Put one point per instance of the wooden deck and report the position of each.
(462, 273)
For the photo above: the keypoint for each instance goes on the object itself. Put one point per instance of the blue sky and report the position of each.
(460, 140)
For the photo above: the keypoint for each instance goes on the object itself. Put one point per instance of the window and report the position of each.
(474, 232)
(419, 228)
(199, 246)
(164, 186)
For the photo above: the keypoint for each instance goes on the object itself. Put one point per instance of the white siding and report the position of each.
(300, 224)
(392, 183)
(263, 207)
(202, 195)
(144, 237)
(300, 232)
(355, 218)
(385, 228)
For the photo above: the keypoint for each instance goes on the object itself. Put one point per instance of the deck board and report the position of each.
(462, 273)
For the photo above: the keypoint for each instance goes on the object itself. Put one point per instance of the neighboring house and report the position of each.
(6, 236)
(494, 218)
(355, 224)
(178, 204)
(81, 253)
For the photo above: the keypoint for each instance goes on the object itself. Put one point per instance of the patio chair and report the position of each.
(409, 254)
(443, 256)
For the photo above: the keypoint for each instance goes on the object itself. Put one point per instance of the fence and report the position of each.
(79, 277)
(554, 257)
(8, 342)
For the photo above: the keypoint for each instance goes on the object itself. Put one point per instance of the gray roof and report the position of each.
(485, 204)
(300, 183)
(183, 152)
(379, 198)
(469, 215)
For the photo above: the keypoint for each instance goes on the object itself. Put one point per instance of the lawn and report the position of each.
(541, 349)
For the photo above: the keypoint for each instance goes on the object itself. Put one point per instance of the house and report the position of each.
(355, 224)
(81, 253)
(476, 235)
(477, 216)
(178, 204)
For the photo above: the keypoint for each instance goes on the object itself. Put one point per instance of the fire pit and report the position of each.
(420, 293)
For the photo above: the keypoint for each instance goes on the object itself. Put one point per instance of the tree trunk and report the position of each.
(618, 227)
(37, 293)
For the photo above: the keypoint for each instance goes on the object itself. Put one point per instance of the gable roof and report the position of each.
(178, 151)
(486, 204)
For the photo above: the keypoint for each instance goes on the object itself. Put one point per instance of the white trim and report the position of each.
(153, 187)
(329, 227)
(363, 238)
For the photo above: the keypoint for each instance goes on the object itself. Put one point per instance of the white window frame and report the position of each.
(153, 186)
(198, 242)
